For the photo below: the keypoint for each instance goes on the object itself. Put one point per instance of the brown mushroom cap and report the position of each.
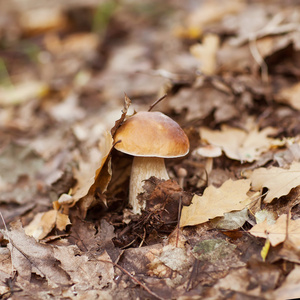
(151, 134)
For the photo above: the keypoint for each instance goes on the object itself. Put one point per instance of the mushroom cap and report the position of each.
(151, 134)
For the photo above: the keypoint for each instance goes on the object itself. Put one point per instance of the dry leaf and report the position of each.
(279, 181)
(206, 53)
(43, 223)
(276, 233)
(22, 92)
(96, 172)
(83, 270)
(232, 220)
(36, 21)
(28, 256)
(102, 173)
(290, 95)
(167, 260)
(239, 144)
(290, 287)
(215, 202)
(212, 11)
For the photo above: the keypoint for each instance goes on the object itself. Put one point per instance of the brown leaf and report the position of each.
(104, 172)
(290, 95)
(277, 233)
(206, 53)
(29, 256)
(84, 271)
(215, 202)
(279, 181)
(290, 287)
(94, 175)
(119, 122)
(239, 144)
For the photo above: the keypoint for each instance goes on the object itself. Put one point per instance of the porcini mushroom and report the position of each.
(150, 137)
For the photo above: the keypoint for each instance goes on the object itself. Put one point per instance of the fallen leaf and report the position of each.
(167, 260)
(231, 220)
(215, 202)
(276, 233)
(83, 270)
(97, 175)
(290, 95)
(36, 21)
(215, 251)
(239, 144)
(29, 256)
(265, 250)
(96, 172)
(290, 287)
(212, 11)
(43, 223)
(119, 122)
(279, 181)
(206, 53)
(22, 92)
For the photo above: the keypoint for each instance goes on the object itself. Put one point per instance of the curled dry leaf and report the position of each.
(97, 176)
(239, 144)
(215, 202)
(277, 233)
(279, 181)
(93, 175)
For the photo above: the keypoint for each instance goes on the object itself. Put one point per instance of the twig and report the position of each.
(143, 240)
(157, 101)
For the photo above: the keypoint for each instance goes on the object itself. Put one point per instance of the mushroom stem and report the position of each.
(143, 168)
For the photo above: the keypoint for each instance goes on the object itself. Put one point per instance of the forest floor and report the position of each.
(226, 225)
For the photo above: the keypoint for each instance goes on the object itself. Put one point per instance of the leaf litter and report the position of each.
(231, 74)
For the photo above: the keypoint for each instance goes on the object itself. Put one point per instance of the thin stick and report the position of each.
(157, 101)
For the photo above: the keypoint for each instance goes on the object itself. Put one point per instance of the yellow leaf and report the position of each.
(214, 202)
(279, 181)
(265, 250)
(276, 233)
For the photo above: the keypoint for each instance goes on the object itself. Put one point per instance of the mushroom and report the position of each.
(150, 137)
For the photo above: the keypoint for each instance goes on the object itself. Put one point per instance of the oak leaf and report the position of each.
(215, 202)
(239, 144)
(277, 233)
(279, 181)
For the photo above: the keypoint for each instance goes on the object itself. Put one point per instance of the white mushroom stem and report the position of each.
(143, 168)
